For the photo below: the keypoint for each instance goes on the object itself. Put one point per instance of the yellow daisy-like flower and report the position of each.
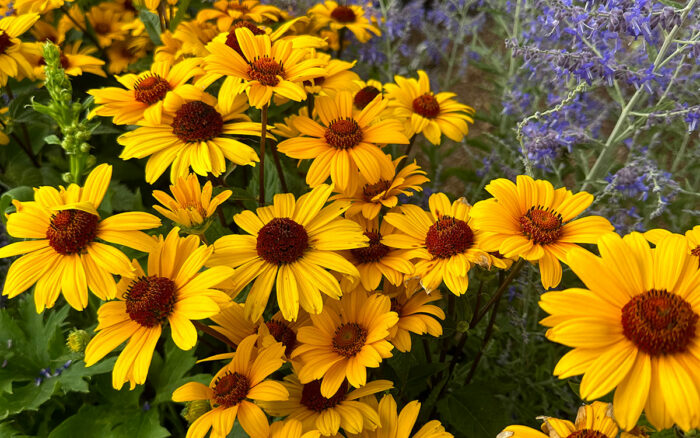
(145, 95)
(431, 114)
(592, 421)
(233, 324)
(291, 429)
(4, 139)
(532, 220)
(368, 198)
(226, 12)
(692, 236)
(107, 23)
(445, 240)
(401, 425)
(410, 302)
(346, 339)
(345, 143)
(287, 129)
(122, 54)
(231, 389)
(342, 410)
(74, 60)
(22, 7)
(66, 256)
(351, 17)
(194, 133)
(265, 67)
(337, 77)
(173, 292)
(635, 328)
(292, 242)
(366, 92)
(192, 207)
(13, 52)
(377, 260)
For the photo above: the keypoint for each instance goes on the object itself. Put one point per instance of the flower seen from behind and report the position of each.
(592, 421)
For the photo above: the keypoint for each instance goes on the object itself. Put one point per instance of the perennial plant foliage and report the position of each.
(429, 219)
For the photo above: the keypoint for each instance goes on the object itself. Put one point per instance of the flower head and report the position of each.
(634, 329)
(423, 111)
(346, 339)
(171, 292)
(14, 52)
(401, 424)
(351, 17)
(192, 206)
(532, 220)
(231, 389)
(410, 302)
(592, 421)
(288, 244)
(64, 254)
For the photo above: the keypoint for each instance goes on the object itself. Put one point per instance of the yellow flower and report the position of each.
(377, 260)
(64, 254)
(346, 339)
(592, 421)
(232, 387)
(634, 328)
(345, 143)
(4, 139)
(692, 236)
(193, 134)
(368, 197)
(292, 241)
(351, 17)
(192, 207)
(13, 52)
(445, 240)
(265, 67)
(410, 302)
(226, 12)
(22, 7)
(107, 22)
(401, 425)
(147, 93)
(173, 292)
(431, 114)
(366, 92)
(342, 410)
(337, 76)
(532, 220)
(121, 54)
(287, 129)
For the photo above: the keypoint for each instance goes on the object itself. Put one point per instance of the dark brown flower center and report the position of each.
(659, 322)
(372, 253)
(150, 300)
(369, 191)
(315, 81)
(70, 231)
(5, 42)
(102, 28)
(349, 339)
(282, 241)
(396, 306)
(281, 331)
(541, 225)
(365, 96)
(266, 71)
(231, 39)
(344, 14)
(587, 433)
(311, 396)
(151, 89)
(231, 389)
(197, 121)
(448, 236)
(343, 134)
(426, 105)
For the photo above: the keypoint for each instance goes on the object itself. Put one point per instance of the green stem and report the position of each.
(263, 135)
(608, 151)
(681, 152)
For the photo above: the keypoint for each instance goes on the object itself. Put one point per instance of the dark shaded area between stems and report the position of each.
(278, 166)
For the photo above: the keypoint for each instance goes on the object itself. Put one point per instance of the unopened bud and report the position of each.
(77, 340)
(195, 409)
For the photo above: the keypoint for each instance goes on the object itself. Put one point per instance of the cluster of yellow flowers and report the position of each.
(354, 273)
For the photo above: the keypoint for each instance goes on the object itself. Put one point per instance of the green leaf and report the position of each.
(473, 410)
(152, 24)
(166, 375)
(180, 15)
(23, 193)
